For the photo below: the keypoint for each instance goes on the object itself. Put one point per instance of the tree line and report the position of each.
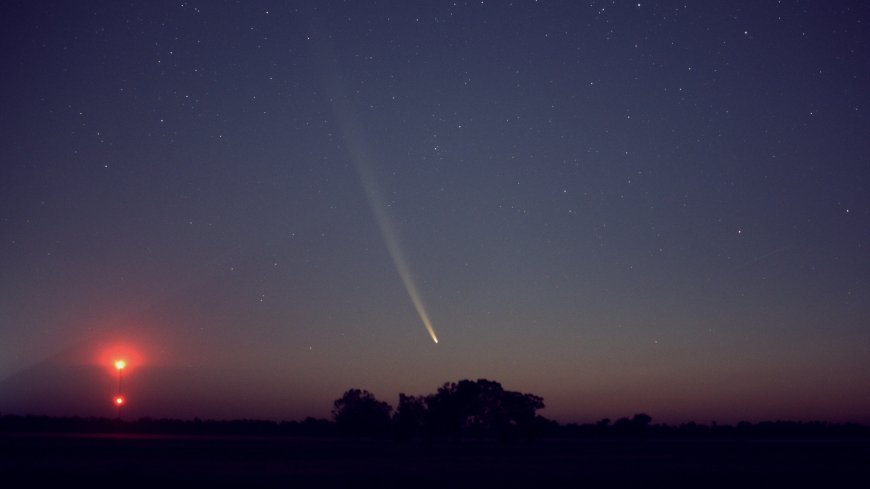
(480, 409)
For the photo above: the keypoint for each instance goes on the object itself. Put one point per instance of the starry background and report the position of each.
(623, 207)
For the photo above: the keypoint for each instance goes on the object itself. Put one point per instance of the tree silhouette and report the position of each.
(359, 413)
(410, 418)
(467, 408)
(480, 408)
(636, 426)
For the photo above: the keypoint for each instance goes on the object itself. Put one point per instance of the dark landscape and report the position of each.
(142, 460)
(467, 434)
(245, 243)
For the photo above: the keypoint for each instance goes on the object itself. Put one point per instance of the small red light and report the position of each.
(119, 400)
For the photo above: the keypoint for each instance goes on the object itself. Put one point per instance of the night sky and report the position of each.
(622, 207)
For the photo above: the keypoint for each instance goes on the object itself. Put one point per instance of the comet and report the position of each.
(391, 241)
(354, 137)
(359, 155)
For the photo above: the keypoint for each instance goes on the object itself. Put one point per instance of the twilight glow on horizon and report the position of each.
(621, 207)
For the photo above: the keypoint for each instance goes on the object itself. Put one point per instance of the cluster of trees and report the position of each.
(480, 409)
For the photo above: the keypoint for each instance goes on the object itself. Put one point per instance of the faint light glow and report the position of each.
(119, 400)
(120, 364)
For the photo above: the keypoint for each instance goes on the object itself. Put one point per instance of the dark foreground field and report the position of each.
(136, 460)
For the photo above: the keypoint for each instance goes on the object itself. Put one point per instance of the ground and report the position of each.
(135, 460)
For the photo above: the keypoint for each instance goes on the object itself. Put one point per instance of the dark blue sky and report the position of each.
(618, 206)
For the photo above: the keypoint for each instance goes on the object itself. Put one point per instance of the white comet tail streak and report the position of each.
(399, 261)
(358, 153)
